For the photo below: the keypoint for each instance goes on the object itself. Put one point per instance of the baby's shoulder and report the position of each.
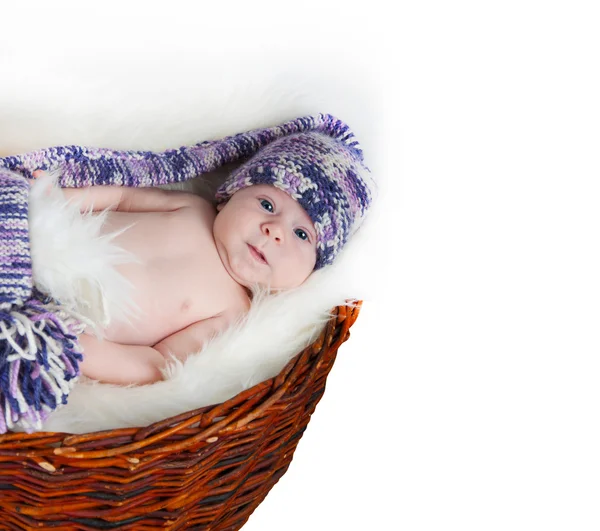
(197, 202)
(196, 211)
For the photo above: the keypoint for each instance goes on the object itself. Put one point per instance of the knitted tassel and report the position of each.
(39, 360)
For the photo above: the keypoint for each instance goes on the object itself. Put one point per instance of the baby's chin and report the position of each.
(246, 275)
(284, 285)
(255, 284)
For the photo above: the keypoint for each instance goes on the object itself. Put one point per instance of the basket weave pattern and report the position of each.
(206, 469)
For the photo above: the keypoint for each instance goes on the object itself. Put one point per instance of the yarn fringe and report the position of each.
(39, 360)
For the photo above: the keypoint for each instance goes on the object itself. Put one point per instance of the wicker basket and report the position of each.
(206, 469)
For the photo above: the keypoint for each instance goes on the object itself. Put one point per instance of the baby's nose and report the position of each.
(273, 230)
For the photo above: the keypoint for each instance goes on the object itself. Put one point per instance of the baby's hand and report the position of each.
(50, 180)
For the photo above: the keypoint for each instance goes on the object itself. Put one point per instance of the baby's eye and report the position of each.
(301, 234)
(266, 205)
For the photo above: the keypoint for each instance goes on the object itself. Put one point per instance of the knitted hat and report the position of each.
(315, 159)
(323, 172)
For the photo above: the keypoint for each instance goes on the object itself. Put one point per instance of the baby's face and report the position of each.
(265, 237)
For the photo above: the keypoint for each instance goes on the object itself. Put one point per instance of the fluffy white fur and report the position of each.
(72, 261)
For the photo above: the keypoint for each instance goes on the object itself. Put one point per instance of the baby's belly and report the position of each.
(165, 304)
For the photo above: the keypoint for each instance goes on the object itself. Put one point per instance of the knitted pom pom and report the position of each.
(39, 360)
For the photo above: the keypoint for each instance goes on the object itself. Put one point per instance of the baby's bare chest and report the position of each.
(179, 279)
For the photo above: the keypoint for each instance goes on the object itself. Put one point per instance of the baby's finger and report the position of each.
(38, 173)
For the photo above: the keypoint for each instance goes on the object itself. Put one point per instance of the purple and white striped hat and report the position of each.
(323, 170)
(315, 159)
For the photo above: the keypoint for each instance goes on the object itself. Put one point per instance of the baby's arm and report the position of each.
(120, 364)
(192, 338)
(124, 199)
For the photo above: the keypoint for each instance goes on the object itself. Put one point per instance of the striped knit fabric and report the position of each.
(85, 166)
(315, 159)
(39, 353)
(15, 259)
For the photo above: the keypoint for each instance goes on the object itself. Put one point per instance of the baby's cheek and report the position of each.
(308, 257)
(298, 268)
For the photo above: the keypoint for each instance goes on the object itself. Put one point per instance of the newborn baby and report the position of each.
(283, 214)
(197, 266)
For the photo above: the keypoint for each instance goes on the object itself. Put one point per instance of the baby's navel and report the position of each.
(185, 306)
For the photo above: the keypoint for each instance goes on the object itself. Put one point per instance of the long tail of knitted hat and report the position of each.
(315, 159)
(39, 352)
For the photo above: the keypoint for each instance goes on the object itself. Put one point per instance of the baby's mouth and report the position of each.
(257, 254)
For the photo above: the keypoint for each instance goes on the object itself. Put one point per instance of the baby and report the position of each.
(281, 215)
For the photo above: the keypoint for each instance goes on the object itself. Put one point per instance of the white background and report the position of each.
(467, 397)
